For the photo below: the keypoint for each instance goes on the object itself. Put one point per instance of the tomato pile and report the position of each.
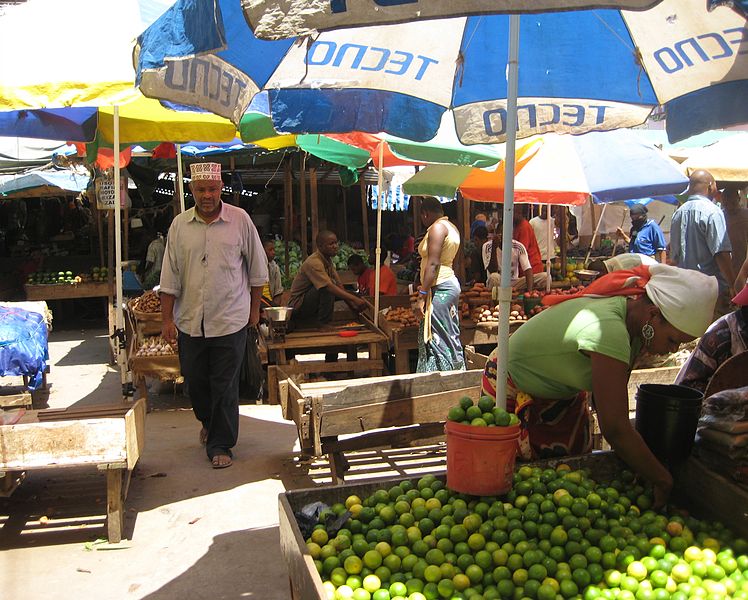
(558, 534)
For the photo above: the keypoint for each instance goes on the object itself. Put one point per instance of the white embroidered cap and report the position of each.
(207, 170)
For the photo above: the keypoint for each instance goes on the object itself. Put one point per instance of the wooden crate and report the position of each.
(708, 495)
(402, 341)
(324, 411)
(108, 437)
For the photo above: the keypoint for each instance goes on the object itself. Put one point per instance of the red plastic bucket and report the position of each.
(480, 460)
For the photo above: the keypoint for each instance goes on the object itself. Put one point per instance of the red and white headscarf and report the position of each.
(685, 297)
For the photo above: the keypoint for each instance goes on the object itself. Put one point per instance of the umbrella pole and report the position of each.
(378, 251)
(505, 291)
(180, 178)
(594, 233)
(119, 321)
(550, 245)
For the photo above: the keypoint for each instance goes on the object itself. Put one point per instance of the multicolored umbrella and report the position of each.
(562, 169)
(581, 70)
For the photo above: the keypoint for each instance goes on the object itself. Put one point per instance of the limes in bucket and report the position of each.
(483, 414)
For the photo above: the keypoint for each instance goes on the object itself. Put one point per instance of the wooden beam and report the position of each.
(564, 237)
(303, 209)
(364, 214)
(287, 208)
(342, 196)
(125, 231)
(315, 205)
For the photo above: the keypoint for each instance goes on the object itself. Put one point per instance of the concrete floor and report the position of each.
(191, 531)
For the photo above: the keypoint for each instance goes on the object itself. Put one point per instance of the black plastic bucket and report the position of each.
(666, 417)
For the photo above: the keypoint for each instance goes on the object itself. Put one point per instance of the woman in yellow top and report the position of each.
(439, 346)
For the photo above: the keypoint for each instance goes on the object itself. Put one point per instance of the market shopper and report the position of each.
(645, 236)
(154, 258)
(211, 281)
(546, 244)
(589, 342)
(525, 235)
(317, 285)
(366, 276)
(439, 345)
(699, 239)
(725, 338)
(273, 288)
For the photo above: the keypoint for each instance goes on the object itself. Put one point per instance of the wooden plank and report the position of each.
(657, 375)
(381, 389)
(62, 443)
(66, 291)
(319, 366)
(315, 206)
(711, 494)
(305, 581)
(287, 209)
(135, 432)
(364, 215)
(323, 340)
(114, 505)
(394, 438)
(303, 209)
(473, 359)
(429, 408)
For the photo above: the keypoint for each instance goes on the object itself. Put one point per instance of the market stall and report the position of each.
(108, 437)
(149, 355)
(341, 334)
(694, 539)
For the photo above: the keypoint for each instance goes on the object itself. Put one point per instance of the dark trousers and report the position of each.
(211, 368)
(316, 308)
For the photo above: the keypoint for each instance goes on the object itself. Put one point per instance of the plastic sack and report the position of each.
(308, 517)
(252, 375)
(732, 404)
(23, 344)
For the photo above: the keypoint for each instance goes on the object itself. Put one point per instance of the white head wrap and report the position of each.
(685, 297)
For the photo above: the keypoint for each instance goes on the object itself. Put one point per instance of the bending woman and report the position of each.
(439, 345)
(589, 342)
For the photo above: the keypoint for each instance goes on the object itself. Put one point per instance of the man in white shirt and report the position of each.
(540, 227)
(212, 277)
(522, 276)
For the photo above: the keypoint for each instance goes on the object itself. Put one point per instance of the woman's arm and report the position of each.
(609, 386)
(437, 235)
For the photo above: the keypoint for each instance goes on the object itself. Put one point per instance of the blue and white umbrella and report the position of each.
(581, 70)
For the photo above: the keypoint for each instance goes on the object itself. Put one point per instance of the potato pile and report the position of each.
(488, 314)
(156, 346)
(150, 302)
(478, 292)
(404, 316)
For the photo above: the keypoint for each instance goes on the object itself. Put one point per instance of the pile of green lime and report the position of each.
(557, 535)
(483, 414)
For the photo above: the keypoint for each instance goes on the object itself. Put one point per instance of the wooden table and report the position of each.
(319, 340)
(108, 437)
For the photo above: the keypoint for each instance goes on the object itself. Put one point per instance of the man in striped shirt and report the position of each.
(522, 275)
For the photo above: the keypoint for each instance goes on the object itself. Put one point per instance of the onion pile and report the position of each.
(155, 346)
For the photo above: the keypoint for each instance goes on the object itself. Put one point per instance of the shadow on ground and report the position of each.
(267, 580)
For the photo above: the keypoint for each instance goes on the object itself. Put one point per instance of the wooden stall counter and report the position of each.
(68, 291)
(322, 340)
(108, 437)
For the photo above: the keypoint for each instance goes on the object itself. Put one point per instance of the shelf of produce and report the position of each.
(108, 437)
(323, 411)
(708, 495)
(67, 291)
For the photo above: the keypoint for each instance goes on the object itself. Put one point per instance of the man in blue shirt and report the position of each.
(645, 237)
(698, 237)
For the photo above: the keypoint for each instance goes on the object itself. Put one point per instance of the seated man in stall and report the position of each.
(367, 276)
(317, 285)
(522, 276)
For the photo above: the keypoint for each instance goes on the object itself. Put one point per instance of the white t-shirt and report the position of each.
(520, 260)
(540, 227)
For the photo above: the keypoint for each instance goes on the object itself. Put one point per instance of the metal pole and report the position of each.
(119, 321)
(550, 245)
(505, 291)
(594, 234)
(378, 251)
